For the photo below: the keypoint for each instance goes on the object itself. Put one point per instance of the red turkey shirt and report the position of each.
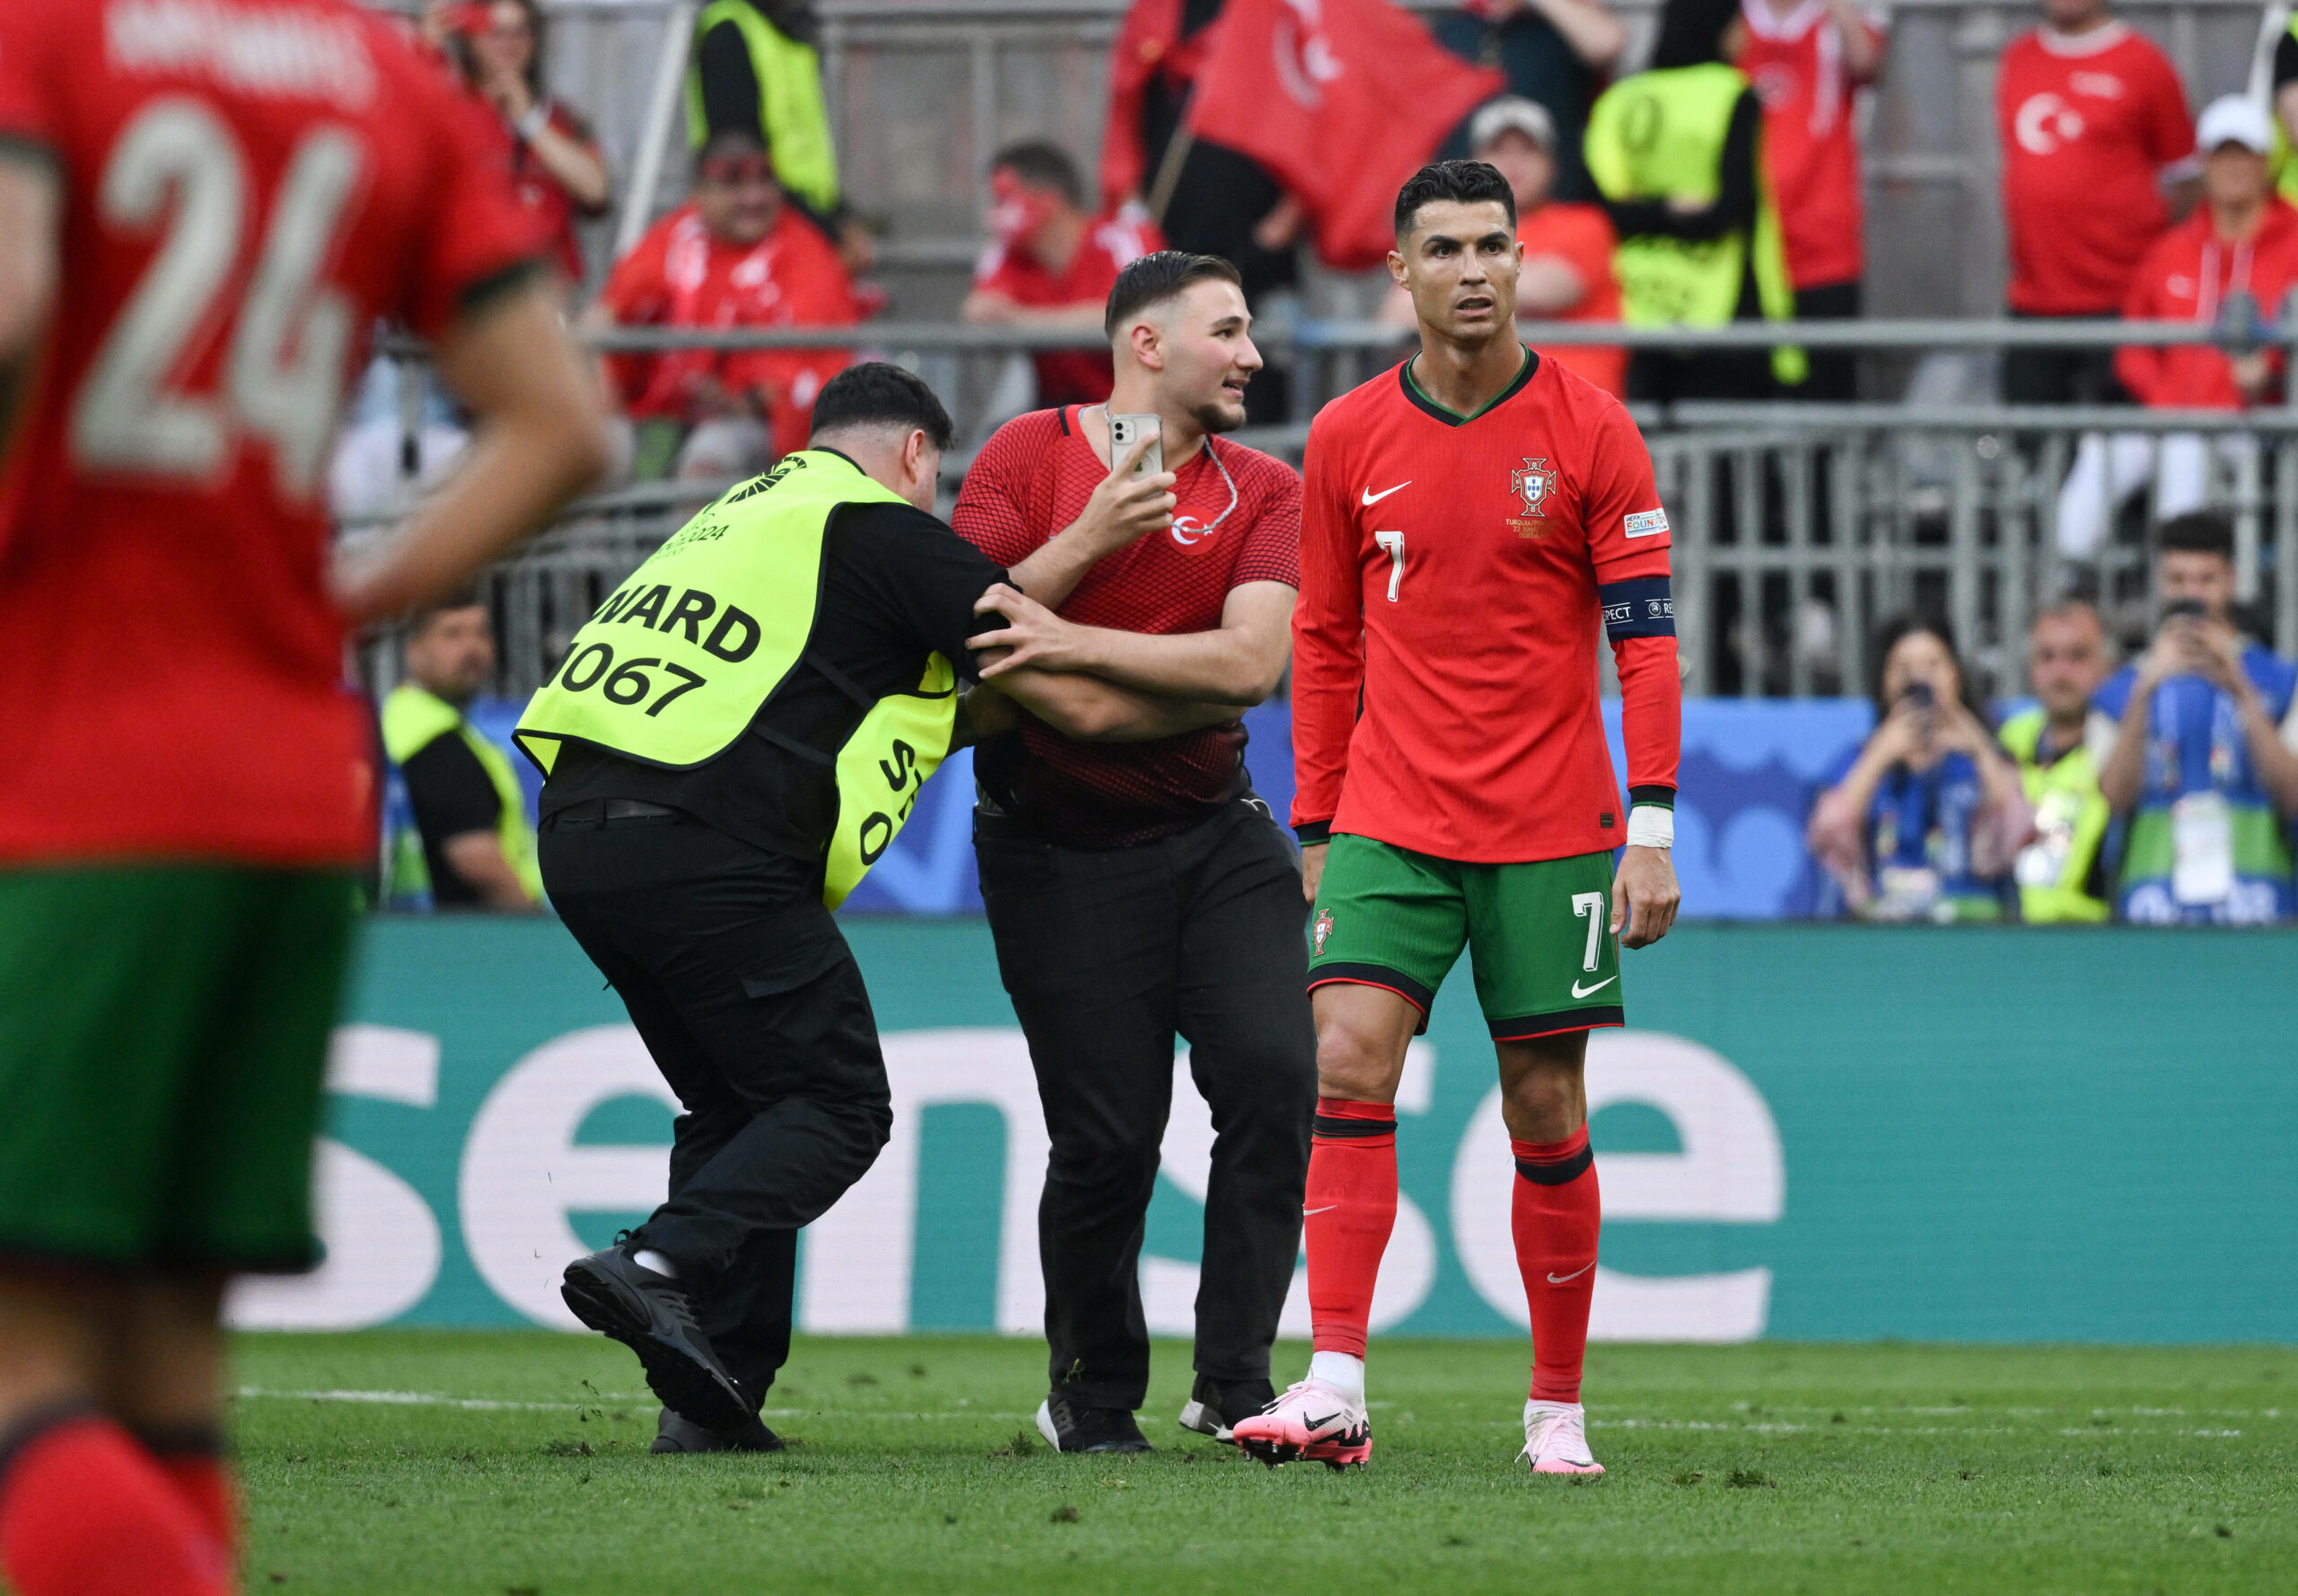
(1112, 243)
(1032, 479)
(679, 275)
(2087, 123)
(1581, 235)
(246, 190)
(1445, 695)
(1811, 145)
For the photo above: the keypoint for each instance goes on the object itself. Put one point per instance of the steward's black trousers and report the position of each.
(1107, 955)
(744, 991)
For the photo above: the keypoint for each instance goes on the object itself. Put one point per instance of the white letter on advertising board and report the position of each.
(381, 1242)
(1731, 1170)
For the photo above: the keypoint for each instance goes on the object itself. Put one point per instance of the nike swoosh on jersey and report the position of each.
(1563, 1279)
(1371, 498)
(1580, 991)
(1328, 1208)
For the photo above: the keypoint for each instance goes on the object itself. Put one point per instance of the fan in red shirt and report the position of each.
(1807, 60)
(1468, 519)
(1139, 891)
(2230, 266)
(203, 208)
(2091, 120)
(740, 255)
(1051, 263)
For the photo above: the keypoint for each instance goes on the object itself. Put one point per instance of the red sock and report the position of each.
(1349, 1210)
(1555, 1218)
(86, 1512)
(204, 1480)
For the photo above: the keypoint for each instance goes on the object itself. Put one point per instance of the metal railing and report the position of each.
(1798, 528)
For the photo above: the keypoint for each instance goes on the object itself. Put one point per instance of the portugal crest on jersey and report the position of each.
(1324, 930)
(1532, 485)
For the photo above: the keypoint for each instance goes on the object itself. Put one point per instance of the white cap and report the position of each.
(2234, 119)
(1513, 111)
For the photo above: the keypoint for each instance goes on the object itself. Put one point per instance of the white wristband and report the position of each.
(1651, 826)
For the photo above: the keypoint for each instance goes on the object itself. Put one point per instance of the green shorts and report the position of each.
(163, 1035)
(1539, 935)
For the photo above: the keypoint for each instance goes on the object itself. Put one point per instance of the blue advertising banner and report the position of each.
(1750, 769)
(1808, 1132)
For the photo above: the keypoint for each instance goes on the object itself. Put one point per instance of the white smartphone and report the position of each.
(1125, 431)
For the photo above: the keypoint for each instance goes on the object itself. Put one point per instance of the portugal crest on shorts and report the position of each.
(1531, 485)
(1324, 930)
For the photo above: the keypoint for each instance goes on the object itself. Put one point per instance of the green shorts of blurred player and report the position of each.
(163, 1034)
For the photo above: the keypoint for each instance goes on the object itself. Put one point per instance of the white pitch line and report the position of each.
(604, 1399)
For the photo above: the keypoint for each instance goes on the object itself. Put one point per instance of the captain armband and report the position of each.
(1639, 607)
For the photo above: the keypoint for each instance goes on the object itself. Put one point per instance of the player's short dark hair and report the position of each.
(2200, 531)
(1160, 277)
(879, 393)
(1464, 182)
(1042, 164)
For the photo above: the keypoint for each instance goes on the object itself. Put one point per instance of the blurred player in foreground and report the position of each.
(197, 222)
(1465, 519)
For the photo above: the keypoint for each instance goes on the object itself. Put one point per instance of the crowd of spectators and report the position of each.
(2164, 792)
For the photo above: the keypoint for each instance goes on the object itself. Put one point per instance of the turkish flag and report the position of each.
(1341, 100)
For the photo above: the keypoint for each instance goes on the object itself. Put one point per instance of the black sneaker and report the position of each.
(1071, 1428)
(676, 1433)
(649, 1314)
(1216, 1405)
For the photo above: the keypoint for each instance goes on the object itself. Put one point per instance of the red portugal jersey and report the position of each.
(1444, 646)
(1032, 479)
(1810, 147)
(247, 187)
(2087, 124)
(679, 275)
(1113, 242)
(1582, 236)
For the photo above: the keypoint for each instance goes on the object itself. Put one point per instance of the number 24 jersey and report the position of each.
(1444, 689)
(247, 185)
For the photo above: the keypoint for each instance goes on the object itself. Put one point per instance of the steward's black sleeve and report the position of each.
(449, 791)
(1734, 206)
(2286, 60)
(924, 575)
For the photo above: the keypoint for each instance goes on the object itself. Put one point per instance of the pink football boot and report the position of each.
(1312, 1422)
(1555, 1439)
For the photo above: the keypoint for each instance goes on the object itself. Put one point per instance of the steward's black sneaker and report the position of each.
(676, 1433)
(1214, 1406)
(649, 1314)
(1071, 1428)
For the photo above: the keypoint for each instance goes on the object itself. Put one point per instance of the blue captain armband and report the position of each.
(1640, 607)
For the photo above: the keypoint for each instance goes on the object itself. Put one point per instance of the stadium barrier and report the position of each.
(1798, 527)
(1810, 1133)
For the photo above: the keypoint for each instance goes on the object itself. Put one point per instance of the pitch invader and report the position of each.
(1466, 518)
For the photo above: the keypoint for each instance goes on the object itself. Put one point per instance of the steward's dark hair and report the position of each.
(879, 393)
(1160, 277)
(470, 595)
(1042, 164)
(1905, 625)
(2201, 532)
(1467, 182)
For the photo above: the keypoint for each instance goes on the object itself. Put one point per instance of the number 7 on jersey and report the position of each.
(1394, 543)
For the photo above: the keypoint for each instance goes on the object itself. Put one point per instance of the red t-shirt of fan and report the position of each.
(246, 190)
(2086, 123)
(1032, 479)
(1810, 147)
(1113, 242)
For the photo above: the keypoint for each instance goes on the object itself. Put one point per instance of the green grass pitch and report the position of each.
(515, 1464)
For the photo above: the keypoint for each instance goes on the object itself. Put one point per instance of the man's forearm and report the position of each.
(1053, 572)
(2120, 778)
(1091, 710)
(2277, 765)
(1222, 666)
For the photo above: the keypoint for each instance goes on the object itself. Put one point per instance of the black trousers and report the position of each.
(1834, 376)
(1108, 955)
(744, 991)
(2060, 376)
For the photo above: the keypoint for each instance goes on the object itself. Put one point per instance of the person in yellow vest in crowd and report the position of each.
(1676, 152)
(2062, 872)
(2282, 70)
(472, 846)
(733, 740)
(756, 67)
